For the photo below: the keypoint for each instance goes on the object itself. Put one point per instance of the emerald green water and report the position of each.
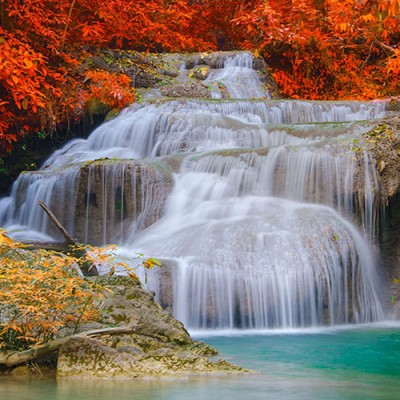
(354, 364)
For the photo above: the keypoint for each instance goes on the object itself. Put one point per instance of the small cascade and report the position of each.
(99, 202)
(293, 171)
(23, 214)
(253, 201)
(238, 79)
(198, 125)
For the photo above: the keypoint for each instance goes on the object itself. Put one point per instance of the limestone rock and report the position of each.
(192, 90)
(214, 60)
(156, 344)
(394, 105)
(84, 356)
(22, 370)
(384, 143)
(201, 72)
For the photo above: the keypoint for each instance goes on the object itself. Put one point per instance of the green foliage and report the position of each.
(3, 169)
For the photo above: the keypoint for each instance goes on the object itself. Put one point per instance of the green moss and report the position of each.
(95, 107)
(112, 114)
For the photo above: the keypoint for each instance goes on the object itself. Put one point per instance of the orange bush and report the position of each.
(40, 293)
(318, 49)
(115, 90)
(328, 49)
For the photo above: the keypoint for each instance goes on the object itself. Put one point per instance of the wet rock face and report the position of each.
(156, 345)
(389, 239)
(383, 142)
(382, 145)
(394, 105)
(113, 195)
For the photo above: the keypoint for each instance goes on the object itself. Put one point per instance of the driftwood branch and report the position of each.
(87, 268)
(11, 359)
(57, 223)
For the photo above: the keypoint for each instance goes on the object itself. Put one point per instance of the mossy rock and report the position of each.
(154, 344)
(187, 90)
(112, 114)
(201, 72)
(393, 105)
(95, 108)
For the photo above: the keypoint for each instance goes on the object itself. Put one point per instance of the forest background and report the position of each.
(317, 49)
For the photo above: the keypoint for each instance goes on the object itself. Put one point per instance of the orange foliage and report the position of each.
(155, 25)
(212, 21)
(114, 90)
(340, 49)
(40, 293)
(318, 49)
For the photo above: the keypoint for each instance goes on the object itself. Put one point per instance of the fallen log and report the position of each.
(13, 358)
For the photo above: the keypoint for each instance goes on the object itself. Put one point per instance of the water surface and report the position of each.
(351, 364)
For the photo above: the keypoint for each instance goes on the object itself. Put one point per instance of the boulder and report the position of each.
(154, 344)
(201, 72)
(191, 90)
(383, 142)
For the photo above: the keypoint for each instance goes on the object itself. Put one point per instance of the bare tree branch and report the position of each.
(57, 223)
(11, 359)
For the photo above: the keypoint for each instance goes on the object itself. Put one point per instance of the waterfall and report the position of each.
(265, 207)
(98, 202)
(238, 78)
(264, 263)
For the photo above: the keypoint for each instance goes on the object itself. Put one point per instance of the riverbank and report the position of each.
(133, 338)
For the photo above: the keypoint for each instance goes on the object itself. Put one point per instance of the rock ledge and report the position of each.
(155, 344)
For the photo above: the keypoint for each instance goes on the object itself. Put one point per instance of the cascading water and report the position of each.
(239, 78)
(251, 199)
